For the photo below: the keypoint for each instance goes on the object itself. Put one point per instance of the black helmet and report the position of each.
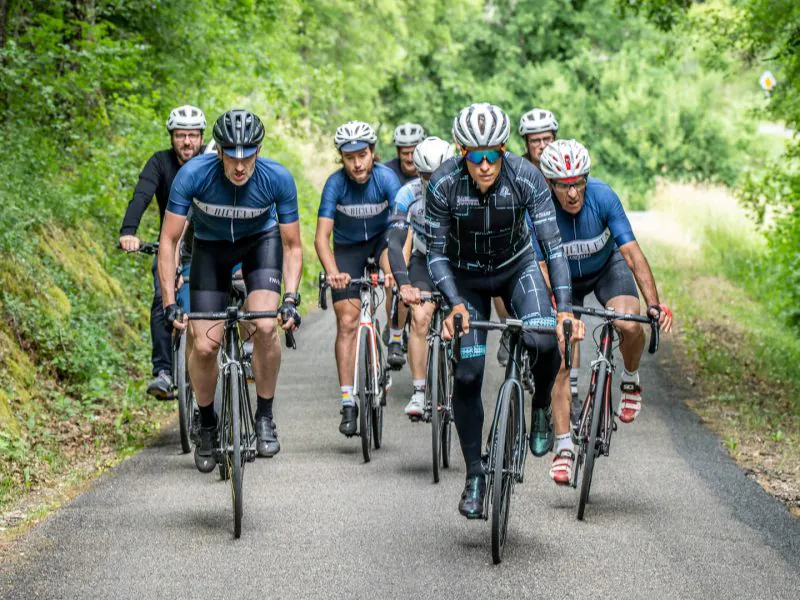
(238, 132)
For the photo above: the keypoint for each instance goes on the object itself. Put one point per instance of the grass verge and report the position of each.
(739, 356)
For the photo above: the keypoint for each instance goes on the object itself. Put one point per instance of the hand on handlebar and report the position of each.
(663, 314)
(175, 317)
(338, 281)
(388, 281)
(578, 328)
(410, 294)
(448, 328)
(288, 316)
(129, 243)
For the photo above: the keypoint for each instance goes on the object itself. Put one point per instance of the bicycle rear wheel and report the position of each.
(590, 449)
(502, 467)
(236, 464)
(365, 388)
(432, 400)
(181, 379)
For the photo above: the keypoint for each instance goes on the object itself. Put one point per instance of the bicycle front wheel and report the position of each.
(378, 401)
(365, 389)
(181, 379)
(590, 449)
(446, 405)
(502, 467)
(432, 400)
(235, 451)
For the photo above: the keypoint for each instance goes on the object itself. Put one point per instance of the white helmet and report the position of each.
(431, 153)
(481, 124)
(408, 134)
(186, 117)
(354, 136)
(564, 159)
(537, 120)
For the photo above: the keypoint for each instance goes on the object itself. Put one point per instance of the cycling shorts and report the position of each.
(418, 272)
(614, 279)
(352, 258)
(213, 261)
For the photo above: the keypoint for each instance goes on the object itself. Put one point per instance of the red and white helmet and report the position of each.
(537, 120)
(430, 153)
(481, 125)
(564, 159)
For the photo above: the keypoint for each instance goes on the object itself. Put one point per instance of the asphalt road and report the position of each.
(671, 515)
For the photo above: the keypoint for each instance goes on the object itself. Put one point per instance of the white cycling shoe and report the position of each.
(416, 406)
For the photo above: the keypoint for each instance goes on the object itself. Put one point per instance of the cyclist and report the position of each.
(406, 137)
(407, 258)
(479, 246)
(356, 205)
(538, 127)
(186, 125)
(244, 209)
(604, 259)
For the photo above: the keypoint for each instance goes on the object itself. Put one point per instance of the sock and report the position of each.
(264, 408)
(396, 335)
(208, 418)
(563, 442)
(419, 385)
(347, 395)
(628, 377)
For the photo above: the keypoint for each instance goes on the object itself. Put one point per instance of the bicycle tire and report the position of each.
(432, 400)
(365, 402)
(181, 379)
(236, 462)
(502, 468)
(590, 452)
(446, 390)
(378, 401)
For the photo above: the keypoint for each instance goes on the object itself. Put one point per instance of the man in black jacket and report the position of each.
(186, 125)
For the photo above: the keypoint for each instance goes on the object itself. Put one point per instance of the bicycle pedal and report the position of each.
(414, 418)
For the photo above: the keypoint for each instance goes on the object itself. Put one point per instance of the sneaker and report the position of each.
(349, 414)
(161, 386)
(204, 458)
(542, 437)
(631, 401)
(561, 470)
(502, 349)
(268, 444)
(471, 503)
(394, 356)
(416, 406)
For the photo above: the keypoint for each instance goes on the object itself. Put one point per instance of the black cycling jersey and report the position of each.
(394, 165)
(487, 232)
(156, 178)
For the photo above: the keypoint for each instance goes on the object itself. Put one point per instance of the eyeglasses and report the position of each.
(565, 187)
(476, 157)
(186, 136)
(543, 141)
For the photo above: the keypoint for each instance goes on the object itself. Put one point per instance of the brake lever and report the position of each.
(567, 343)
(458, 326)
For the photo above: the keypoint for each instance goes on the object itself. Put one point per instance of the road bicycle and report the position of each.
(236, 424)
(596, 423)
(507, 446)
(371, 377)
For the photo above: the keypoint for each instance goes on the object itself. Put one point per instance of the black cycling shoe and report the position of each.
(268, 444)
(394, 356)
(204, 458)
(471, 504)
(349, 414)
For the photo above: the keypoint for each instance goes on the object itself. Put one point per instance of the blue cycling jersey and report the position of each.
(409, 209)
(224, 211)
(589, 238)
(360, 211)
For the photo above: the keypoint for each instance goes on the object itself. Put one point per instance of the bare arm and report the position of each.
(292, 256)
(633, 255)
(322, 244)
(171, 232)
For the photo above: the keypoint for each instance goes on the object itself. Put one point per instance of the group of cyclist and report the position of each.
(535, 233)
